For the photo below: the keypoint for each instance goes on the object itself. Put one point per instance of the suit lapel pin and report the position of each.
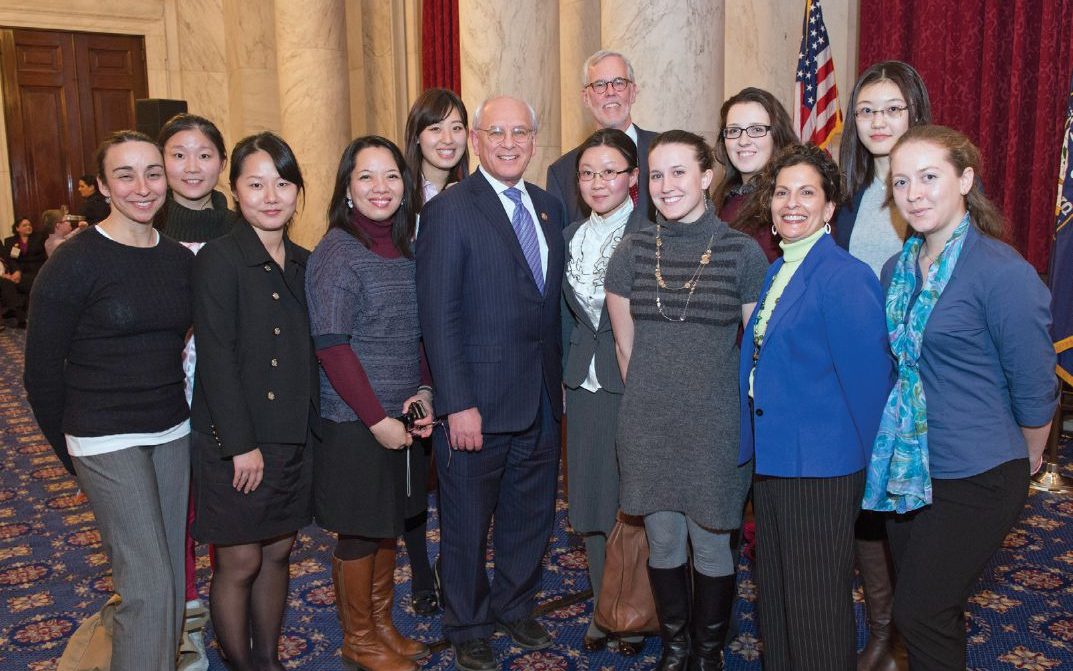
(543, 216)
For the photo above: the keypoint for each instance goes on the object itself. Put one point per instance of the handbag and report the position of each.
(90, 647)
(626, 604)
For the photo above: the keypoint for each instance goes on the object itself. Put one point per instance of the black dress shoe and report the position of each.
(594, 644)
(475, 655)
(528, 633)
(628, 648)
(425, 602)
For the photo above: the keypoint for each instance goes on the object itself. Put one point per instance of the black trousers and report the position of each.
(939, 553)
(804, 566)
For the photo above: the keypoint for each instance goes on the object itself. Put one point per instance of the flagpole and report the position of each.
(1049, 478)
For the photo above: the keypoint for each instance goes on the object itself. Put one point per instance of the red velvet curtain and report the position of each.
(440, 54)
(999, 71)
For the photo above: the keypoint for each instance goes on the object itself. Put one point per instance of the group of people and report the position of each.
(705, 341)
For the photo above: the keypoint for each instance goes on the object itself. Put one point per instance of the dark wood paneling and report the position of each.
(64, 93)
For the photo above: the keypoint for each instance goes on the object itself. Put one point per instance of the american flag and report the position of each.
(817, 116)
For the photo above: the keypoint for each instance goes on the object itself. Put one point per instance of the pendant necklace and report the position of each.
(690, 284)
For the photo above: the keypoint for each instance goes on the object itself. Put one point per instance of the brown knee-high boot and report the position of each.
(878, 582)
(362, 646)
(384, 600)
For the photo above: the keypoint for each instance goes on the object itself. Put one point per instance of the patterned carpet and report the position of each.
(53, 574)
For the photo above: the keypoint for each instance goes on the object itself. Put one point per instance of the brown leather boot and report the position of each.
(384, 600)
(878, 581)
(362, 646)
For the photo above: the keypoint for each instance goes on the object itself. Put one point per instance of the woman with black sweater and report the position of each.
(109, 317)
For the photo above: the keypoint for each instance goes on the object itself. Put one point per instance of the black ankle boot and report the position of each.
(670, 587)
(713, 601)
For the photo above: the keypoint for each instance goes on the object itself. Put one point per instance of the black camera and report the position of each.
(415, 412)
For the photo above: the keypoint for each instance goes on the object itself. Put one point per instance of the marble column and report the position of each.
(579, 38)
(311, 56)
(203, 70)
(251, 63)
(512, 48)
(677, 50)
(762, 41)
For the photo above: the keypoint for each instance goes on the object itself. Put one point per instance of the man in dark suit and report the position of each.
(608, 91)
(489, 273)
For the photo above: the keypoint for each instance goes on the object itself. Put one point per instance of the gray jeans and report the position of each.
(139, 497)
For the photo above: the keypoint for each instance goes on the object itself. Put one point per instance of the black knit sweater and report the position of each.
(104, 346)
(186, 225)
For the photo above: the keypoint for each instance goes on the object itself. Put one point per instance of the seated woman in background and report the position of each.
(363, 317)
(969, 324)
(606, 171)
(819, 327)
(754, 127)
(23, 255)
(56, 227)
(108, 319)
(677, 434)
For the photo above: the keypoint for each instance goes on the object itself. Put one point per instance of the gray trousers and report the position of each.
(139, 497)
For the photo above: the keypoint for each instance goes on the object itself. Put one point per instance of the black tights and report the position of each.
(416, 548)
(247, 598)
(349, 548)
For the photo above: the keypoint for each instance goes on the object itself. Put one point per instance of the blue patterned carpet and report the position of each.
(53, 574)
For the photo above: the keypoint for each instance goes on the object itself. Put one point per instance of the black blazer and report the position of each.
(30, 262)
(587, 340)
(256, 373)
(493, 341)
(562, 180)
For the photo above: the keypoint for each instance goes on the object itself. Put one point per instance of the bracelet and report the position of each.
(425, 387)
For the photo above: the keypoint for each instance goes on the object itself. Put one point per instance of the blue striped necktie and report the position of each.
(525, 229)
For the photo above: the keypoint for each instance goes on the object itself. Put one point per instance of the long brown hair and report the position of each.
(782, 135)
(960, 153)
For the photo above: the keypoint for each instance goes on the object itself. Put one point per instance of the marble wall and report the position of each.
(329, 70)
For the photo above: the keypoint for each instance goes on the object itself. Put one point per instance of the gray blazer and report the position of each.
(586, 340)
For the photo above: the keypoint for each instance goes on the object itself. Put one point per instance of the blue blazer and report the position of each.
(824, 371)
(492, 340)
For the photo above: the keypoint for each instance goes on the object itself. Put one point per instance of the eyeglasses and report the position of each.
(600, 85)
(498, 135)
(754, 131)
(889, 112)
(607, 175)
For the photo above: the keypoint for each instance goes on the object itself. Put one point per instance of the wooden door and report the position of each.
(64, 92)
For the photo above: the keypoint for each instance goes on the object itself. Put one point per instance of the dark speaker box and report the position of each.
(150, 114)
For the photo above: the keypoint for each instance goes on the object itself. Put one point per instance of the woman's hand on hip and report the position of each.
(249, 470)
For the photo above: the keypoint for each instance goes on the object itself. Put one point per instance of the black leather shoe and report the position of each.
(528, 633)
(425, 602)
(591, 644)
(475, 655)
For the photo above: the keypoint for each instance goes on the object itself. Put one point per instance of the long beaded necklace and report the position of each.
(690, 284)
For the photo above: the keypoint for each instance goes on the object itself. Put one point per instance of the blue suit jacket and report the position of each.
(824, 371)
(492, 340)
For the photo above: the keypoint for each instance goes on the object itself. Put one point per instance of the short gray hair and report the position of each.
(599, 56)
(480, 110)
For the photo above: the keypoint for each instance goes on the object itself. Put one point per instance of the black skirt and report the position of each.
(361, 488)
(281, 504)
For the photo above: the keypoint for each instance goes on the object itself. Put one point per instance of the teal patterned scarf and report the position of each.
(899, 478)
